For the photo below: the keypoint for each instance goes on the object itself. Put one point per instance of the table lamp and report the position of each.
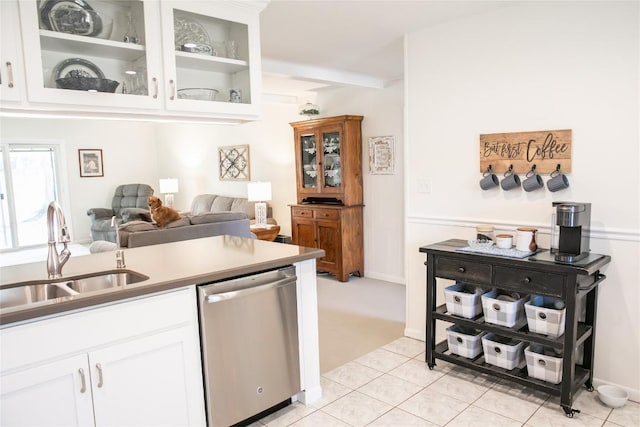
(168, 186)
(259, 192)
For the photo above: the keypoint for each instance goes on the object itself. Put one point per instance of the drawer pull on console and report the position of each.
(461, 269)
(526, 280)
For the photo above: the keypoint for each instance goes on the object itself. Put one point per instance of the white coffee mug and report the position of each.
(523, 240)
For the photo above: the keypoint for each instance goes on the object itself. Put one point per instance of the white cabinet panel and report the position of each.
(12, 87)
(53, 394)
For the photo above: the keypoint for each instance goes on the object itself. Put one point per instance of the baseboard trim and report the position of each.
(415, 334)
(385, 277)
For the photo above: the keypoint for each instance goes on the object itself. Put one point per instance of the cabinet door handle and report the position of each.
(172, 88)
(100, 379)
(526, 280)
(461, 269)
(83, 382)
(10, 73)
(155, 88)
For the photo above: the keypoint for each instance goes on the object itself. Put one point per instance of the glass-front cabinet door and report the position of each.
(332, 164)
(101, 53)
(211, 60)
(309, 161)
(320, 162)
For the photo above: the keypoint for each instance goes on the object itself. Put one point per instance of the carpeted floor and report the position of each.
(357, 317)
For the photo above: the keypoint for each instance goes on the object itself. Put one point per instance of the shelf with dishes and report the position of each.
(72, 44)
(200, 62)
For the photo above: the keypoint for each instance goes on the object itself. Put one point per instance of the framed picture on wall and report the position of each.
(90, 163)
(234, 163)
(382, 155)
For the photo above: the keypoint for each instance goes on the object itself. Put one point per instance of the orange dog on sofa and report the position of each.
(161, 215)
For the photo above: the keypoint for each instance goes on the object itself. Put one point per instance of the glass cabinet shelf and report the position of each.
(199, 62)
(80, 45)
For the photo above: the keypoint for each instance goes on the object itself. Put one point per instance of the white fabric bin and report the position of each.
(463, 300)
(465, 342)
(542, 318)
(502, 351)
(503, 312)
(542, 365)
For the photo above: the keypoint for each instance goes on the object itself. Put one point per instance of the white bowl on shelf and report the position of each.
(612, 396)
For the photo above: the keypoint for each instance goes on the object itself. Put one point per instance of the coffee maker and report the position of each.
(574, 222)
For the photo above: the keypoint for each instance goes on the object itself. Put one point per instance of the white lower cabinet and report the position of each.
(135, 378)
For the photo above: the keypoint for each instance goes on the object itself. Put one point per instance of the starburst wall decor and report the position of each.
(234, 163)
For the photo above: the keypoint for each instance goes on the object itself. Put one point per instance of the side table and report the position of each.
(268, 232)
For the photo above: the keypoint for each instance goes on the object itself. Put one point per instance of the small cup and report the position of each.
(526, 239)
(504, 241)
(557, 182)
(489, 180)
(510, 180)
(533, 180)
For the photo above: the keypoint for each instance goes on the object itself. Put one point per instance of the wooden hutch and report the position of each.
(328, 212)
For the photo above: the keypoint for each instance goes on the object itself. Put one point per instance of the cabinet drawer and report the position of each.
(327, 214)
(302, 212)
(529, 281)
(463, 270)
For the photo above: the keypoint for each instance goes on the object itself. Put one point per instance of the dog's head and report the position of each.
(154, 202)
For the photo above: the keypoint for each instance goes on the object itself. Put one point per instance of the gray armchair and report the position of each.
(129, 203)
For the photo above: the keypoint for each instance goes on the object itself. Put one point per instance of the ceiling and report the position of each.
(312, 44)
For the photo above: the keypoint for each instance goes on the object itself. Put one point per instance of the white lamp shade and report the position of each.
(168, 185)
(258, 191)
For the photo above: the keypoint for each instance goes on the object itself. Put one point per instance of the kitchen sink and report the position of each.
(49, 290)
(103, 281)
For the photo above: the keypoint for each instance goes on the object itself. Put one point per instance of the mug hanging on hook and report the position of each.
(489, 179)
(511, 180)
(533, 180)
(558, 181)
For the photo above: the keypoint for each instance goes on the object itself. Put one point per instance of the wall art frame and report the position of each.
(382, 155)
(234, 163)
(90, 162)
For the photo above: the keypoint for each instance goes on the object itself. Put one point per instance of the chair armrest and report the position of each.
(100, 213)
(135, 214)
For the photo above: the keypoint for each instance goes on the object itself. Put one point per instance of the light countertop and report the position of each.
(168, 266)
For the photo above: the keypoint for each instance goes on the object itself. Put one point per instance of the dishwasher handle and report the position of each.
(224, 296)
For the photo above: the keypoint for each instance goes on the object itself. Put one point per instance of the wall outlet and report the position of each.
(424, 185)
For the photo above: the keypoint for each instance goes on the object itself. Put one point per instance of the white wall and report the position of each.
(383, 194)
(129, 156)
(190, 153)
(531, 66)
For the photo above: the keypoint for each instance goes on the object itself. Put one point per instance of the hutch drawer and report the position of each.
(327, 214)
(302, 212)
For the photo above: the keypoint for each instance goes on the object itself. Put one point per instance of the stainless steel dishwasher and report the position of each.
(249, 336)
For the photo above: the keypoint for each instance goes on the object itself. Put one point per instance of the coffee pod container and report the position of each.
(484, 233)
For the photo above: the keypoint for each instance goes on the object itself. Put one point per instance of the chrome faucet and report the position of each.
(55, 261)
(119, 252)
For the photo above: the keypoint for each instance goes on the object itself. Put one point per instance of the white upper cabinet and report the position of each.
(75, 54)
(12, 87)
(143, 58)
(212, 62)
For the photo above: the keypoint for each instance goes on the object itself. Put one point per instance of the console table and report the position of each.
(538, 274)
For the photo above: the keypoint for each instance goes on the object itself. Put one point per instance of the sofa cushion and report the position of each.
(217, 217)
(179, 223)
(222, 204)
(243, 205)
(134, 226)
(202, 203)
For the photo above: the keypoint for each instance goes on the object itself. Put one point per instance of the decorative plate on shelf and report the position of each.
(76, 67)
(187, 30)
(70, 16)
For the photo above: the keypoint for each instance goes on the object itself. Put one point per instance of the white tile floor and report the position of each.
(392, 386)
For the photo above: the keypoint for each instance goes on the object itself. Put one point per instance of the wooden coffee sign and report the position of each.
(546, 149)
